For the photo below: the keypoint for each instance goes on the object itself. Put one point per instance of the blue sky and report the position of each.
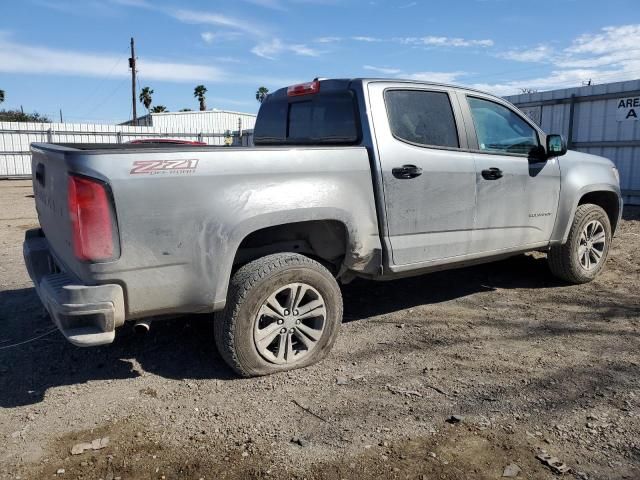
(72, 55)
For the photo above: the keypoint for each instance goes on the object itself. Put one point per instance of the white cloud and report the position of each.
(366, 39)
(268, 49)
(612, 46)
(198, 17)
(328, 39)
(274, 47)
(383, 70)
(18, 58)
(272, 4)
(612, 54)
(624, 37)
(216, 19)
(540, 53)
(208, 37)
(435, 77)
(433, 41)
(304, 50)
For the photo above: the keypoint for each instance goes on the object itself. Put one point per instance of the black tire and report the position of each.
(564, 260)
(250, 288)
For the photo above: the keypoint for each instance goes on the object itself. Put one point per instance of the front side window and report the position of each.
(421, 117)
(499, 129)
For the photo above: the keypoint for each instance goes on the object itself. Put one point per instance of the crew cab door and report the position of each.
(517, 188)
(428, 178)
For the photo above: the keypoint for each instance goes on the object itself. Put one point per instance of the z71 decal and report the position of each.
(166, 167)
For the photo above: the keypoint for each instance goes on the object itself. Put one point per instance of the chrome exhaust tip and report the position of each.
(142, 326)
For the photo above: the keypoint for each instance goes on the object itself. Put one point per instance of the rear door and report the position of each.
(428, 178)
(517, 189)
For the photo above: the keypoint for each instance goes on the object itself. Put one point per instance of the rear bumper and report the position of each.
(87, 315)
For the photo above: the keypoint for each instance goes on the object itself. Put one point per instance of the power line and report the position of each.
(107, 98)
(100, 82)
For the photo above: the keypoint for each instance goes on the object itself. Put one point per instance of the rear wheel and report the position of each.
(584, 254)
(283, 312)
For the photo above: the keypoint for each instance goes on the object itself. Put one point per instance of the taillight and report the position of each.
(92, 223)
(304, 89)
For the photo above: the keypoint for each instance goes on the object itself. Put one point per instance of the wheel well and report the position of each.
(323, 240)
(609, 203)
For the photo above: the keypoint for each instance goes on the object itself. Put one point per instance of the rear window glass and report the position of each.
(317, 119)
(421, 117)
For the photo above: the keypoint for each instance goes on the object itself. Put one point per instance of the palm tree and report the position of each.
(159, 109)
(199, 93)
(145, 97)
(261, 94)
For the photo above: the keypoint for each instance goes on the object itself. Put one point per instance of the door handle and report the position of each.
(406, 172)
(492, 174)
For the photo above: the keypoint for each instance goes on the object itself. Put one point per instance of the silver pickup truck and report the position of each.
(348, 178)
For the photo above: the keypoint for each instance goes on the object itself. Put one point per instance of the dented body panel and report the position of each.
(179, 232)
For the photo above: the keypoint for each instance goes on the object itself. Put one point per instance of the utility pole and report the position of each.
(132, 66)
(61, 116)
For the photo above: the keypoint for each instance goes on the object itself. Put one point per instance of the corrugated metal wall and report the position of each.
(594, 120)
(210, 121)
(16, 137)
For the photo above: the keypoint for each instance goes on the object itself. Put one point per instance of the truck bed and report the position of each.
(182, 211)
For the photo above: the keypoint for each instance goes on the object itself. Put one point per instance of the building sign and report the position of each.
(628, 109)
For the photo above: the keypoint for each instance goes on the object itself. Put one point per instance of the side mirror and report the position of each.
(556, 145)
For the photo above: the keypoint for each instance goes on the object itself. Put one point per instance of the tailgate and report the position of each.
(50, 174)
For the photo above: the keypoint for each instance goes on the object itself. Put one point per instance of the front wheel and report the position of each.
(584, 254)
(283, 312)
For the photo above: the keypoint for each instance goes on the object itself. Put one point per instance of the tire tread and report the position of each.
(242, 282)
(561, 257)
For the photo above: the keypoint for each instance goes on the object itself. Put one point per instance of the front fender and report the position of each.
(581, 174)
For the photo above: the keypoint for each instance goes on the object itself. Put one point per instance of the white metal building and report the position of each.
(599, 119)
(209, 121)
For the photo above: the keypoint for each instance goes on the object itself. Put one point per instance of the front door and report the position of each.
(517, 189)
(428, 178)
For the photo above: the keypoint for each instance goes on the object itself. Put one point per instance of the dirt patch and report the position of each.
(528, 362)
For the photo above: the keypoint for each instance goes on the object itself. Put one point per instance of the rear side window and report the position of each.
(421, 117)
(316, 119)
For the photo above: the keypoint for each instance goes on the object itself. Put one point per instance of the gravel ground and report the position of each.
(524, 363)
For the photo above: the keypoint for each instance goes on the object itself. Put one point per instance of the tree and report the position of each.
(261, 94)
(186, 110)
(199, 93)
(1, 96)
(145, 97)
(159, 109)
(19, 116)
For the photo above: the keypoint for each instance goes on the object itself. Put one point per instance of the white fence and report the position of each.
(16, 137)
(217, 121)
